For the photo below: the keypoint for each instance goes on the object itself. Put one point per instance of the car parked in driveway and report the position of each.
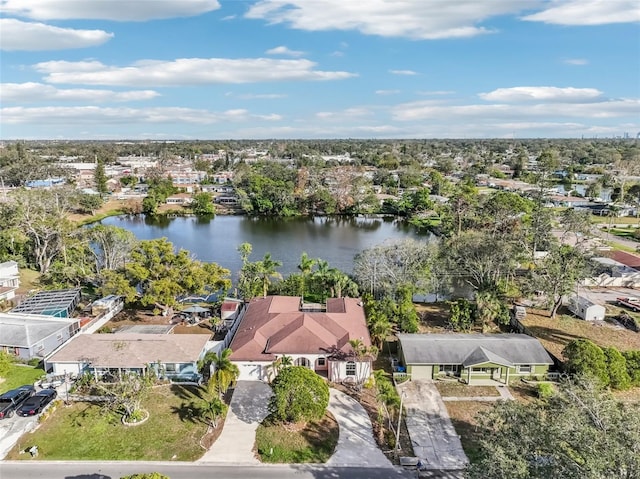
(11, 400)
(36, 403)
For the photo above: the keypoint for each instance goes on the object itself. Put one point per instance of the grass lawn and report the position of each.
(29, 279)
(463, 416)
(83, 431)
(296, 443)
(454, 388)
(554, 334)
(20, 375)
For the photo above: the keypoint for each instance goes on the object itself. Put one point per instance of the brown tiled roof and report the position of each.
(623, 257)
(275, 326)
(131, 350)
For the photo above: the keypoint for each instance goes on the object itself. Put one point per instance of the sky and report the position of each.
(302, 69)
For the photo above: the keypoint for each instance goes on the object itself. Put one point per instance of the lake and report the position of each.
(333, 239)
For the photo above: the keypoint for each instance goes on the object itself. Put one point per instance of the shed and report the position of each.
(586, 309)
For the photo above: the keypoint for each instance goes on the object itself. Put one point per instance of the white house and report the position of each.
(313, 336)
(586, 309)
(9, 280)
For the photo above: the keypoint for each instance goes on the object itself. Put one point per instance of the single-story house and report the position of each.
(180, 199)
(586, 309)
(314, 336)
(29, 336)
(9, 280)
(472, 357)
(173, 356)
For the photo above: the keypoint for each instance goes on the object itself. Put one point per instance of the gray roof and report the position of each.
(23, 332)
(470, 349)
(130, 350)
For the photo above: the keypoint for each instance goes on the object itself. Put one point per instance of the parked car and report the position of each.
(36, 403)
(11, 400)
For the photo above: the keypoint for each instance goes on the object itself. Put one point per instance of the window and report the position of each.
(351, 368)
(479, 370)
(322, 362)
(449, 368)
(524, 368)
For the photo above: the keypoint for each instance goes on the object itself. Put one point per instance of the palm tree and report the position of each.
(225, 372)
(281, 363)
(362, 353)
(380, 329)
(267, 270)
(212, 410)
(323, 276)
(305, 266)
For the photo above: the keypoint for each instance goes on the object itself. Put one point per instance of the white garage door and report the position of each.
(421, 372)
(250, 371)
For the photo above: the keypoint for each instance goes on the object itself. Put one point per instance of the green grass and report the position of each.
(313, 442)
(84, 431)
(29, 279)
(20, 375)
(100, 216)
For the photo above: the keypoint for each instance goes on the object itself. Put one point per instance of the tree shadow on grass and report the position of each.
(188, 412)
(187, 392)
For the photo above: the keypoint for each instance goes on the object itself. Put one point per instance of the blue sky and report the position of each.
(207, 69)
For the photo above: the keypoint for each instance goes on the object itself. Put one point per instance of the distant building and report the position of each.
(9, 280)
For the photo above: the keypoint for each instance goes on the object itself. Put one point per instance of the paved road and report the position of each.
(115, 470)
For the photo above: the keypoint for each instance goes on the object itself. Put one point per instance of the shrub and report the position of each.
(545, 390)
(299, 394)
(632, 359)
(586, 358)
(617, 367)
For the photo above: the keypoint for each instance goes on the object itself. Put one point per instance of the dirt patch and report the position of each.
(463, 415)
(433, 317)
(554, 334)
(135, 317)
(523, 392)
(456, 389)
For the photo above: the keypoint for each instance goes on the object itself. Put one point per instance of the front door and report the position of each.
(496, 374)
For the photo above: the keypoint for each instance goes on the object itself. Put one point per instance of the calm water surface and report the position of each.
(334, 239)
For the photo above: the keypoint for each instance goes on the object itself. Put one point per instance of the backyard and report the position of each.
(83, 431)
(19, 375)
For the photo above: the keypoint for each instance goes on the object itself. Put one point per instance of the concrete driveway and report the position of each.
(432, 434)
(12, 429)
(249, 406)
(356, 445)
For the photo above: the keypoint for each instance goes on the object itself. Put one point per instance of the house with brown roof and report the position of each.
(314, 336)
(173, 356)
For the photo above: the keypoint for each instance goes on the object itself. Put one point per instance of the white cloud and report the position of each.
(588, 12)
(84, 115)
(256, 96)
(542, 93)
(118, 10)
(38, 92)
(387, 92)
(282, 50)
(30, 36)
(424, 110)
(186, 71)
(346, 113)
(403, 72)
(416, 19)
(576, 61)
(436, 92)
(229, 17)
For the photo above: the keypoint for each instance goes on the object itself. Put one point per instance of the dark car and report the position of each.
(10, 400)
(36, 403)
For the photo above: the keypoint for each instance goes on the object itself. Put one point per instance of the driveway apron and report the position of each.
(247, 410)
(432, 434)
(356, 445)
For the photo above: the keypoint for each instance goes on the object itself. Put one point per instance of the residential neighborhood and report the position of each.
(325, 239)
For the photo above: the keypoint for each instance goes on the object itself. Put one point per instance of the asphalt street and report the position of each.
(115, 470)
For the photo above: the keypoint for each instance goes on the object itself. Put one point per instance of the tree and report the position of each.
(299, 394)
(213, 409)
(581, 432)
(113, 246)
(283, 361)
(161, 275)
(584, 357)
(225, 372)
(632, 359)
(407, 314)
(489, 307)
(363, 354)
(305, 266)
(617, 369)
(557, 274)
(100, 178)
(89, 203)
(461, 315)
(6, 360)
(202, 204)
(127, 392)
(266, 270)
